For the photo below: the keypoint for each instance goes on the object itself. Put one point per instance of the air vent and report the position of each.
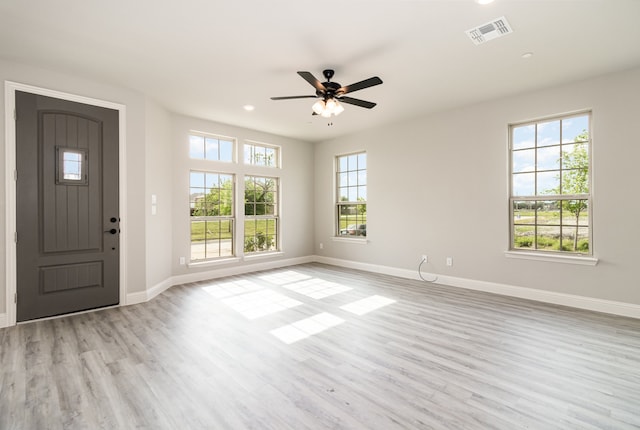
(491, 30)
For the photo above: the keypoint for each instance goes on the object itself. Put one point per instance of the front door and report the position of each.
(67, 206)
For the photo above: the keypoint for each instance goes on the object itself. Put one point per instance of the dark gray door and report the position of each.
(67, 206)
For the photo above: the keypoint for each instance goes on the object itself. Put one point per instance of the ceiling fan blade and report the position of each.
(307, 76)
(293, 97)
(357, 102)
(360, 85)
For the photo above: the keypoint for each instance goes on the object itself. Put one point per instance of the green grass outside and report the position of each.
(224, 230)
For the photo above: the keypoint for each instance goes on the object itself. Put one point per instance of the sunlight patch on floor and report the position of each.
(367, 305)
(307, 327)
(260, 303)
(285, 277)
(233, 288)
(317, 288)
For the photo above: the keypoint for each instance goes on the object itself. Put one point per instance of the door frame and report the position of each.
(10, 89)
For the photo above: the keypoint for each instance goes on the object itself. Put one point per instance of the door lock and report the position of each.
(112, 231)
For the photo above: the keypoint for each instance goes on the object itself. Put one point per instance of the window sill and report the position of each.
(350, 240)
(260, 255)
(553, 258)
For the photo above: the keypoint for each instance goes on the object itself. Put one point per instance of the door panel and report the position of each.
(67, 203)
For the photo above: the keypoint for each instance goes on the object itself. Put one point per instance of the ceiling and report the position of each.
(209, 58)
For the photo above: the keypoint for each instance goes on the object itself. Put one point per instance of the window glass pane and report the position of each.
(362, 177)
(343, 179)
(362, 193)
(524, 160)
(549, 133)
(362, 161)
(353, 162)
(575, 129)
(353, 194)
(261, 155)
(548, 212)
(226, 150)
(72, 165)
(524, 212)
(212, 180)
(353, 178)
(524, 236)
(548, 183)
(197, 179)
(248, 153)
(342, 164)
(352, 220)
(524, 184)
(548, 158)
(197, 240)
(260, 235)
(270, 157)
(343, 194)
(524, 136)
(548, 238)
(196, 147)
(575, 212)
(211, 149)
(575, 181)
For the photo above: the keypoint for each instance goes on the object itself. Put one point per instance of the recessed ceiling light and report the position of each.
(249, 108)
(484, 1)
(527, 55)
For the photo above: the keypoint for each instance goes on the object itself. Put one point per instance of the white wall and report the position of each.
(438, 185)
(159, 178)
(296, 182)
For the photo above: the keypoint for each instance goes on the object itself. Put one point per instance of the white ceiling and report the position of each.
(208, 58)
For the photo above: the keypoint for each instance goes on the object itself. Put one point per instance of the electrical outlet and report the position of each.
(321, 245)
(182, 261)
(449, 261)
(424, 258)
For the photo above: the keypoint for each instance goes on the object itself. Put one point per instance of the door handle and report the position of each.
(112, 231)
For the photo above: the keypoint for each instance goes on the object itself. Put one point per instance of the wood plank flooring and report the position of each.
(321, 347)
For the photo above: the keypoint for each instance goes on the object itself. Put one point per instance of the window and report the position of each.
(209, 147)
(261, 155)
(260, 214)
(71, 166)
(351, 193)
(211, 211)
(550, 201)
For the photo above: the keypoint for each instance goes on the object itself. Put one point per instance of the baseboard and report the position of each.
(135, 298)
(144, 296)
(580, 302)
(3, 320)
(238, 270)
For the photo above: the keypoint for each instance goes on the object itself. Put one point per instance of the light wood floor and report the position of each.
(209, 355)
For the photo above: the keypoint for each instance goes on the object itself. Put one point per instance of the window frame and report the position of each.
(219, 138)
(359, 232)
(539, 197)
(265, 146)
(275, 217)
(232, 219)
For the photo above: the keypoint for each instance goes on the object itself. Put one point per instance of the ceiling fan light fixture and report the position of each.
(318, 107)
(327, 108)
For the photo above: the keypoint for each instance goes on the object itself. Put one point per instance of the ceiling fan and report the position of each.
(330, 94)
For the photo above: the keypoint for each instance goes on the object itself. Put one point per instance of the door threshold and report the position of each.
(53, 317)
